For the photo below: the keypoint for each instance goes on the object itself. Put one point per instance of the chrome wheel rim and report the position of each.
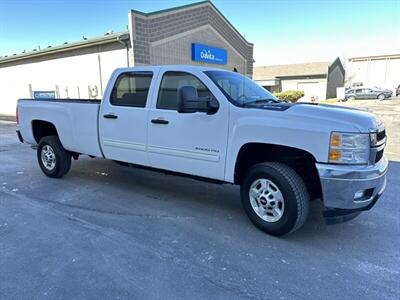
(266, 200)
(48, 157)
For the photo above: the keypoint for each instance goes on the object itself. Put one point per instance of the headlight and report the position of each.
(349, 148)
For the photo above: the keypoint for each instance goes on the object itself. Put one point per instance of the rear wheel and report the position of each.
(275, 198)
(53, 159)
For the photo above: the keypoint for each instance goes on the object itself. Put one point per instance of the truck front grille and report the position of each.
(379, 156)
(380, 136)
(379, 146)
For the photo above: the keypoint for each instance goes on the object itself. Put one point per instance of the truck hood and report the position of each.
(349, 119)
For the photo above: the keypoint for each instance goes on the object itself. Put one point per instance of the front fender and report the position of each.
(282, 132)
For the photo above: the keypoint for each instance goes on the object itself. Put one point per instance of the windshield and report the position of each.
(239, 89)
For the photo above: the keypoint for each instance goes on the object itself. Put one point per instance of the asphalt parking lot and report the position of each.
(109, 232)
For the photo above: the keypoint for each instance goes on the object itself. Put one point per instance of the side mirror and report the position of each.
(190, 102)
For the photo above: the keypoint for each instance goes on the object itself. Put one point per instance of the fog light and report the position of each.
(360, 194)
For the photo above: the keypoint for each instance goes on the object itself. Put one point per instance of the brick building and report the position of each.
(197, 34)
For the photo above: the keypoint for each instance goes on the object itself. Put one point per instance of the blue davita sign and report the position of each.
(44, 94)
(209, 54)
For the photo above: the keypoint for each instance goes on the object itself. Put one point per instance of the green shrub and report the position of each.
(291, 96)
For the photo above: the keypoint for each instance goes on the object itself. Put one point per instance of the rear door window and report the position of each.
(131, 89)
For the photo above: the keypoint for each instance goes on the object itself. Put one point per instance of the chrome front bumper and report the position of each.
(340, 184)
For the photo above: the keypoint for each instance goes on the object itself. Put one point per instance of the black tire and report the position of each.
(295, 197)
(381, 97)
(62, 157)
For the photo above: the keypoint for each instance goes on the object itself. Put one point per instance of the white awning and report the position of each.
(270, 82)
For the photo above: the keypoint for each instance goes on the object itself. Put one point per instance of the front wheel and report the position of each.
(275, 198)
(53, 159)
(381, 97)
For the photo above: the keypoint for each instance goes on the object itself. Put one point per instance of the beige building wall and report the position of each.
(70, 74)
(312, 87)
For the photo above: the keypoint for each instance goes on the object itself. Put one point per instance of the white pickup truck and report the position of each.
(219, 126)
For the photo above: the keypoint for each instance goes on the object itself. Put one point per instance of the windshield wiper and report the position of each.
(261, 101)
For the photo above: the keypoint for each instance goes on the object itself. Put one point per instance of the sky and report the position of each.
(287, 31)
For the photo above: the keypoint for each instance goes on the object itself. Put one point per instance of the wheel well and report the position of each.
(41, 129)
(301, 161)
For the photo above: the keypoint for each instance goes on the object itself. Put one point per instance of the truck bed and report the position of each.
(93, 101)
(76, 121)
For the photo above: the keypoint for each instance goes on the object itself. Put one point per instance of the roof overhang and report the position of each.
(106, 39)
(375, 57)
(268, 82)
(303, 76)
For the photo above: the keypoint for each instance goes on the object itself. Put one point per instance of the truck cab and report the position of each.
(144, 104)
(220, 126)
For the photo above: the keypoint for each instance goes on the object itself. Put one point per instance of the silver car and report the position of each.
(368, 93)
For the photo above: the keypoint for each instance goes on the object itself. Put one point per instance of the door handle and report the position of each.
(159, 121)
(110, 116)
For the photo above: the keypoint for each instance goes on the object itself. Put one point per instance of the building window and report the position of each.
(131, 89)
(170, 85)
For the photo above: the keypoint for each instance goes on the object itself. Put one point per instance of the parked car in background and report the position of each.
(368, 93)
